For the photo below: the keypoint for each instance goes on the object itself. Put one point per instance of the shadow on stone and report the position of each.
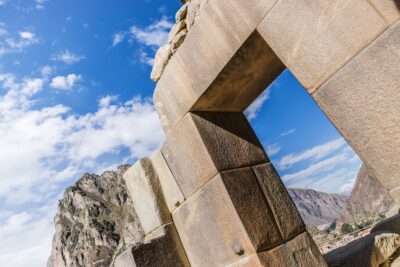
(397, 3)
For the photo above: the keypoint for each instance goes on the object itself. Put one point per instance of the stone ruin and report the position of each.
(210, 196)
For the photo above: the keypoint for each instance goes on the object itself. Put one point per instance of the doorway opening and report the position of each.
(337, 197)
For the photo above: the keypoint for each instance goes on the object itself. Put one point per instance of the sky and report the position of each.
(75, 97)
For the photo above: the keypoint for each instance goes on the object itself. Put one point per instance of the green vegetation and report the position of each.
(346, 228)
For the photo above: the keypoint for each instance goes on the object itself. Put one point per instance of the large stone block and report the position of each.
(227, 220)
(243, 79)
(251, 261)
(203, 143)
(147, 196)
(162, 248)
(389, 9)
(316, 38)
(299, 252)
(172, 193)
(287, 216)
(224, 27)
(363, 102)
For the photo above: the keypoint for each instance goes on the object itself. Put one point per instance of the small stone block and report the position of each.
(204, 143)
(146, 193)
(287, 216)
(172, 193)
(299, 252)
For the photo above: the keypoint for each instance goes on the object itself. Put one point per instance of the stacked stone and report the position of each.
(233, 208)
(155, 194)
(185, 18)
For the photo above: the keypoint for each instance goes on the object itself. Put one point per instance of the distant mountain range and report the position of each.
(317, 208)
(367, 199)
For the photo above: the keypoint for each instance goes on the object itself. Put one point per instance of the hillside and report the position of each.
(367, 199)
(95, 221)
(317, 208)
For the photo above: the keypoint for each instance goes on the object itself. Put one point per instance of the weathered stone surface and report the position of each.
(315, 39)
(287, 216)
(226, 220)
(204, 143)
(194, 10)
(371, 250)
(160, 62)
(251, 261)
(178, 40)
(389, 9)
(299, 252)
(172, 193)
(181, 13)
(390, 225)
(224, 27)
(252, 208)
(363, 102)
(368, 199)
(394, 210)
(95, 219)
(147, 196)
(179, 26)
(163, 250)
(243, 79)
(125, 259)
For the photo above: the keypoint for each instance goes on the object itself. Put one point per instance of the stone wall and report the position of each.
(212, 184)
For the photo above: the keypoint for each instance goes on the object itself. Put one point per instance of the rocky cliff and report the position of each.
(368, 198)
(95, 221)
(317, 208)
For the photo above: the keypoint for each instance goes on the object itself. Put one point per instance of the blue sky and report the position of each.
(75, 97)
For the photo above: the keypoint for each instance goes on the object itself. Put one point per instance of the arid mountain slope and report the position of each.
(95, 221)
(317, 208)
(368, 198)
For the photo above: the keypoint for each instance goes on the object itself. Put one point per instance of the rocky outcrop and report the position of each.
(185, 18)
(95, 222)
(317, 208)
(374, 250)
(367, 199)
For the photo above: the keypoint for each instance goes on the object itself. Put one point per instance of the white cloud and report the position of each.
(107, 100)
(27, 35)
(118, 38)
(155, 35)
(323, 165)
(3, 2)
(146, 59)
(340, 180)
(273, 149)
(288, 132)
(48, 147)
(68, 57)
(3, 30)
(252, 111)
(40, 4)
(347, 187)
(65, 82)
(46, 71)
(26, 235)
(18, 43)
(317, 152)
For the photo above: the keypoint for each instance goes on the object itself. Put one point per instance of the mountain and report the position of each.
(367, 199)
(94, 222)
(317, 208)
